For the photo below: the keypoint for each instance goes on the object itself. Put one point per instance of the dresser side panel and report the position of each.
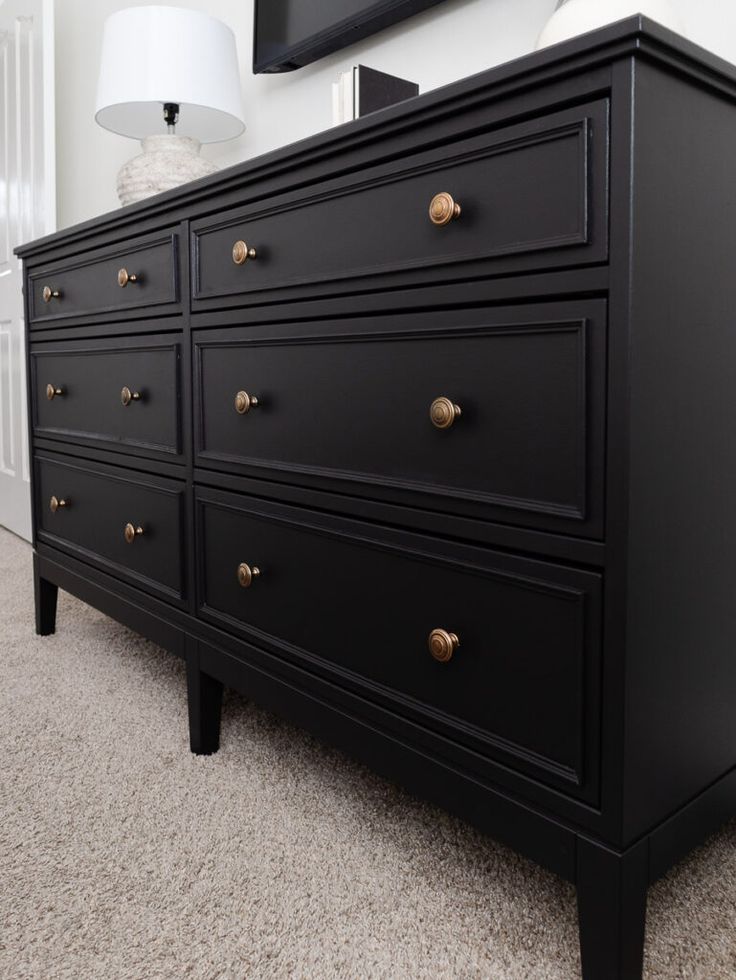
(680, 661)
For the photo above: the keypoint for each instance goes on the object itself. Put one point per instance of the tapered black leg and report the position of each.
(45, 594)
(205, 707)
(612, 905)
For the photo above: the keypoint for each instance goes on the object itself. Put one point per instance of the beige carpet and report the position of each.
(123, 856)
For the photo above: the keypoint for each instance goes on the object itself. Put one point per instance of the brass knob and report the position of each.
(124, 277)
(52, 391)
(132, 532)
(49, 294)
(442, 645)
(443, 208)
(244, 402)
(127, 396)
(246, 574)
(443, 413)
(241, 253)
(55, 503)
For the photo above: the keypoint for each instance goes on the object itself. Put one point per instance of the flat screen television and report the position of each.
(291, 33)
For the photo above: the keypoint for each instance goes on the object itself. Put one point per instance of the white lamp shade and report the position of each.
(575, 17)
(153, 55)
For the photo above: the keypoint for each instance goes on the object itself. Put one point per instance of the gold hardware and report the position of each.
(49, 294)
(244, 402)
(246, 574)
(442, 645)
(52, 391)
(55, 503)
(241, 253)
(132, 532)
(443, 209)
(127, 396)
(124, 277)
(443, 413)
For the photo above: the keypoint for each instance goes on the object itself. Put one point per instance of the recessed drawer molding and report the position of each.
(533, 196)
(123, 393)
(121, 279)
(128, 524)
(497, 413)
(512, 672)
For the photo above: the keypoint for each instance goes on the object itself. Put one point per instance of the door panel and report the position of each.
(27, 211)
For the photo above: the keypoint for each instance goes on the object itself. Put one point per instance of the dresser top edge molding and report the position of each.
(634, 36)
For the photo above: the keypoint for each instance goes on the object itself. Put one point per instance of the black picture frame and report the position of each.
(349, 30)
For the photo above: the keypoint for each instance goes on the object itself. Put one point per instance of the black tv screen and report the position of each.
(292, 33)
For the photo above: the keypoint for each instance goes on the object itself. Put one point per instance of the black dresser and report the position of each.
(420, 432)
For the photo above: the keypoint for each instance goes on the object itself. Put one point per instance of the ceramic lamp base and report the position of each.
(166, 162)
(575, 17)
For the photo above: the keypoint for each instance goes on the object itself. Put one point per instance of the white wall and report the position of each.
(453, 40)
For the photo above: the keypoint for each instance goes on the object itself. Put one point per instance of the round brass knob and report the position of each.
(242, 252)
(55, 503)
(124, 277)
(246, 574)
(49, 294)
(442, 645)
(52, 391)
(443, 208)
(443, 413)
(244, 402)
(132, 532)
(127, 396)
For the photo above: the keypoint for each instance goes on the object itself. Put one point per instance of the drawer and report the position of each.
(347, 405)
(120, 279)
(359, 604)
(123, 392)
(531, 196)
(127, 523)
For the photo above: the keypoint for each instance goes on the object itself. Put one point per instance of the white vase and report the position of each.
(167, 161)
(574, 17)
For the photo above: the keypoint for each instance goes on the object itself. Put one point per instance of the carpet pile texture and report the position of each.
(123, 856)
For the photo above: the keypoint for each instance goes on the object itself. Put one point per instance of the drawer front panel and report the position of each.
(532, 195)
(360, 603)
(353, 407)
(95, 283)
(98, 504)
(123, 392)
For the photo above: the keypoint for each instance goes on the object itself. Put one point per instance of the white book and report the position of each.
(343, 97)
(348, 95)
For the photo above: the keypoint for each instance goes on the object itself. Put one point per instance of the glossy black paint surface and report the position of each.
(572, 527)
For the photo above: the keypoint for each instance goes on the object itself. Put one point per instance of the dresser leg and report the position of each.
(45, 594)
(612, 905)
(205, 704)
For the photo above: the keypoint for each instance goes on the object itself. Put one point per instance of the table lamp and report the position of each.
(168, 77)
(573, 17)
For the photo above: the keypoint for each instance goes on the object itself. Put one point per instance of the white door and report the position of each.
(27, 210)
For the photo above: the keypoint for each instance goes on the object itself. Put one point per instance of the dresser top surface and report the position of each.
(634, 36)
